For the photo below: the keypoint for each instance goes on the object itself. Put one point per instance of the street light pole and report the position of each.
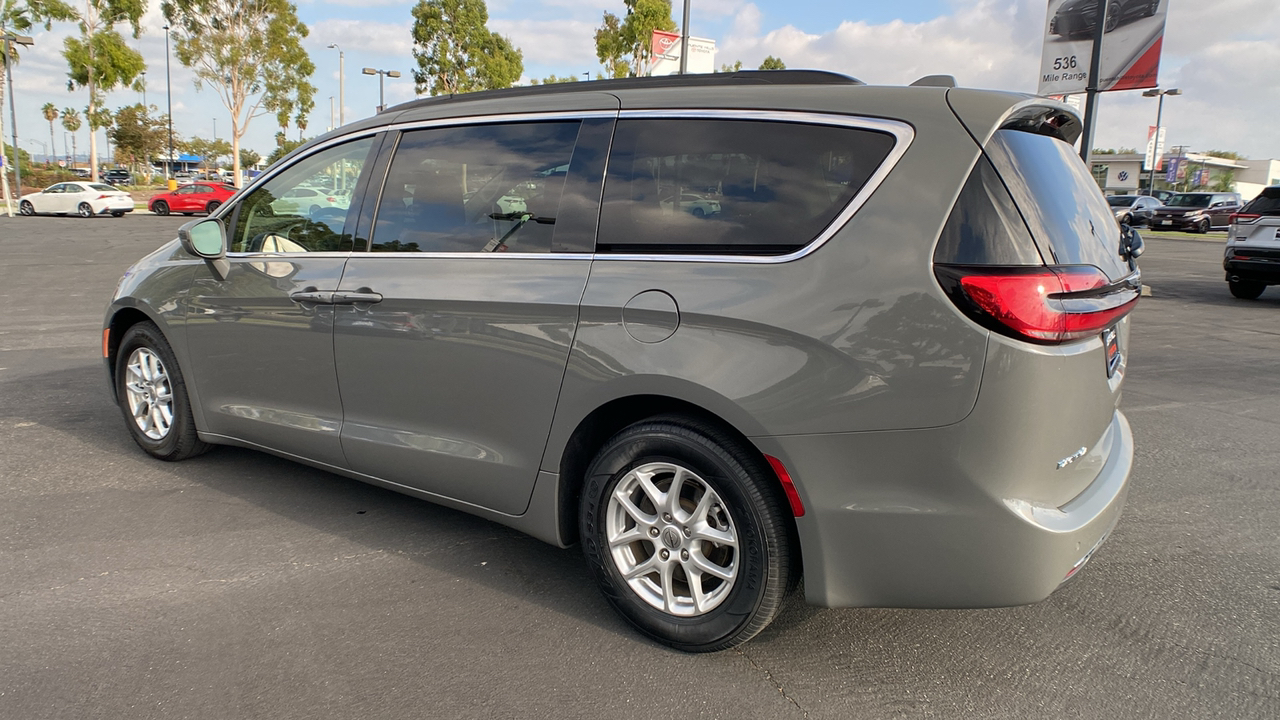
(168, 93)
(382, 102)
(1154, 92)
(1091, 89)
(342, 102)
(684, 40)
(13, 116)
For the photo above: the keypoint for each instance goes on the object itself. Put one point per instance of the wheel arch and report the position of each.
(121, 319)
(605, 421)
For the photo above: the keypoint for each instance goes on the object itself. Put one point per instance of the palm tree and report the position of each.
(50, 113)
(71, 123)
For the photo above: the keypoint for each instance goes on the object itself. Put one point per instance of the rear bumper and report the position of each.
(905, 526)
(1265, 267)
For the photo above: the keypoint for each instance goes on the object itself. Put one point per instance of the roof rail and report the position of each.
(741, 77)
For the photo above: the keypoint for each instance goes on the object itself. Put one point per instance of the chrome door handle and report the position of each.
(351, 298)
(312, 296)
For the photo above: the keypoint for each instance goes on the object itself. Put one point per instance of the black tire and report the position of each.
(314, 209)
(699, 213)
(160, 208)
(85, 210)
(26, 208)
(1246, 289)
(751, 503)
(1113, 17)
(213, 205)
(1153, 8)
(117, 214)
(179, 442)
(1202, 227)
(1126, 220)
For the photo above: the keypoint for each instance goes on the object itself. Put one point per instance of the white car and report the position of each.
(86, 199)
(695, 205)
(308, 201)
(1252, 258)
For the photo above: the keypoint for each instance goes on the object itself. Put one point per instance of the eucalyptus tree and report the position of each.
(250, 53)
(457, 52)
(100, 60)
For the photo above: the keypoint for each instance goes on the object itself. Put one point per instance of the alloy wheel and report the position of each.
(672, 539)
(85, 210)
(149, 393)
(26, 208)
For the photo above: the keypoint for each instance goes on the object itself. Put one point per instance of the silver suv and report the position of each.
(796, 369)
(1252, 258)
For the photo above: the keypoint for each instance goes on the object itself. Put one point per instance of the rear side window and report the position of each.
(985, 227)
(482, 188)
(730, 186)
(1267, 203)
(1065, 211)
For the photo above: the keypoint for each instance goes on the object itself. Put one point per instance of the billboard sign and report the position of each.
(1155, 148)
(1130, 48)
(665, 59)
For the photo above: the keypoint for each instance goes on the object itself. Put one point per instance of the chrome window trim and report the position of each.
(903, 135)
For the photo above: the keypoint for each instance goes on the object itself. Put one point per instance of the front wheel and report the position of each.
(683, 528)
(85, 210)
(1202, 227)
(160, 208)
(1113, 17)
(1246, 289)
(153, 396)
(26, 208)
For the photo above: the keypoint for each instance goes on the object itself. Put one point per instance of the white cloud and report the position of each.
(381, 39)
(567, 44)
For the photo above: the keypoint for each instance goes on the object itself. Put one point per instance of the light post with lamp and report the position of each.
(342, 113)
(168, 93)
(1155, 155)
(382, 102)
(13, 119)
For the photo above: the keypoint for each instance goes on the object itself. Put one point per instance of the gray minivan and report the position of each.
(703, 327)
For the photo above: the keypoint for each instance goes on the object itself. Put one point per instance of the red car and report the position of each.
(201, 197)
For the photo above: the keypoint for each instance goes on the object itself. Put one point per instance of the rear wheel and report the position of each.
(1153, 8)
(117, 214)
(26, 208)
(684, 531)
(1246, 289)
(153, 396)
(160, 208)
(213, 205)
(85, 210)
(1113, 16)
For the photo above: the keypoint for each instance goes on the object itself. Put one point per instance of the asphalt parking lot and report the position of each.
(238, 585)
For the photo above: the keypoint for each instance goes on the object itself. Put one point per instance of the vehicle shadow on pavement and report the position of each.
(76, 402)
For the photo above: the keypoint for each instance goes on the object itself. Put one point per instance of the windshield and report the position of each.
(1189, 200)
(1121, 200)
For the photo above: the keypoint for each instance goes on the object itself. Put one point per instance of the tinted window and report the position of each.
(730, 186)
(1062, 205)
(485, 188)
(270, 219)
(1195, 200)
(1267, 203)
(102, 188)
(1120, 200)
(985, 227)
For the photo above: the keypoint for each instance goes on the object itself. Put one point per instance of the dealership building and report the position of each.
(1122, 173)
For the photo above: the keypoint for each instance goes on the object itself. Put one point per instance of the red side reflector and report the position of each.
(784, 477)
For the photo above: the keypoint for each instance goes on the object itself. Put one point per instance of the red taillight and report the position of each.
(102, 197)
(1041, 304)
(1244, 218)
(332, 200)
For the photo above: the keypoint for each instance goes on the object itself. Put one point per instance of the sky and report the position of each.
(1221, 54)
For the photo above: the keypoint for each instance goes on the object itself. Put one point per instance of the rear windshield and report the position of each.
(1066, 212)
(1193, 200)
(101, 188)
(1121, 200)
(1268, 203)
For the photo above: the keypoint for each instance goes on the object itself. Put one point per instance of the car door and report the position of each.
(261, 339)
(181, 198)
(46, 201)
(71, 197)
(451, 358)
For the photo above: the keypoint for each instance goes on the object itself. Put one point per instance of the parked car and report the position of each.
(80, 172)
(695, 205)
(1252, 257)
(1079, 17)
(901, 399)
(82, 198)
(1196, 212)
(197, 197)
(303, 200)
(117, 176)
(1133, 209)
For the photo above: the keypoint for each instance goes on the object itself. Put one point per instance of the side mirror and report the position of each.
(207, 239)
(1131, 245)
